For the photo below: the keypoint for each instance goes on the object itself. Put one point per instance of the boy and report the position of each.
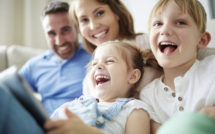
(177, 31)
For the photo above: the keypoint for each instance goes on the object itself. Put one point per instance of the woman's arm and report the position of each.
(138, 122)
(72, 125)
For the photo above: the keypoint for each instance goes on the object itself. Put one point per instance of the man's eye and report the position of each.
(100, 13)
(51, 33)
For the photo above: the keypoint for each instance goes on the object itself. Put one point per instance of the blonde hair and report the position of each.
(134, 58)
(193, 7)
(126, 23)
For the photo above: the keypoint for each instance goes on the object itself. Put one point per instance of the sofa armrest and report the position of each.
(3, 57)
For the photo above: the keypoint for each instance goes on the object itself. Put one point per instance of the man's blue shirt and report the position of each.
(57, 81)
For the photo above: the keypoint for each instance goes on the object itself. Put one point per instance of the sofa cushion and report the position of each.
(18, 55)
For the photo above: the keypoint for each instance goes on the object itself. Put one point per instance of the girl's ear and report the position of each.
(134, 76)
(205, 39)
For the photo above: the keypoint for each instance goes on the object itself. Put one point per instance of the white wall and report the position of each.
(140, 9)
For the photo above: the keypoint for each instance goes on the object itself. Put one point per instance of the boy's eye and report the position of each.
(181, 23)
(100, 13)
(157, 24)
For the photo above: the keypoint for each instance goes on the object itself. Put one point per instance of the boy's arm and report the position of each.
(138, 122)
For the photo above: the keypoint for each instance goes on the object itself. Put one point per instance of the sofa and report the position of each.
(17, 55)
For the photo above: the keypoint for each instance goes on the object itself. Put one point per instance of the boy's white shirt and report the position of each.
(197, 89)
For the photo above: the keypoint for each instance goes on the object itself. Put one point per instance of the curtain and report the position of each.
(20, 23)
(212, 7)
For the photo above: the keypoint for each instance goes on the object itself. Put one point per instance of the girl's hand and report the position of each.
(72, 125)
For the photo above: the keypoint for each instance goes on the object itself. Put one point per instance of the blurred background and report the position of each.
(20, 19)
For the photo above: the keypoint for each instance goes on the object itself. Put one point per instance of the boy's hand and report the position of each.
(210, 111)
(72, 125)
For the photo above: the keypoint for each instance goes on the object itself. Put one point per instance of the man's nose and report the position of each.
(59, 40)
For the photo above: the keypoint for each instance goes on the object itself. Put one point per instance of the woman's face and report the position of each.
(97, 22)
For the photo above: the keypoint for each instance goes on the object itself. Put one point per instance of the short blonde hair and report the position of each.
(193, 7)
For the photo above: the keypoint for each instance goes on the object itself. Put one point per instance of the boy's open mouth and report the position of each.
(100, 79)
(167, 47)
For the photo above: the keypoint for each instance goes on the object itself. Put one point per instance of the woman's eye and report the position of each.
(100, 13)
(84, 20)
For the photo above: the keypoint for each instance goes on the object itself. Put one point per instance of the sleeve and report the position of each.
(139, 104)
(27, 73)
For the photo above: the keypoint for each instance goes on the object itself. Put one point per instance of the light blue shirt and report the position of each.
(57, 82)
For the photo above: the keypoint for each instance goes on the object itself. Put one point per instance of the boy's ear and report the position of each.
(205, 39)
(134, 76)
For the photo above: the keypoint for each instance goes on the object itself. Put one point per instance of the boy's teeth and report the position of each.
(165, 43)
(99, 77)
(99, 35)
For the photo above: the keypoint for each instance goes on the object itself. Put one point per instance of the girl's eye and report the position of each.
(100, 13)
(110, 61)
(93, 63)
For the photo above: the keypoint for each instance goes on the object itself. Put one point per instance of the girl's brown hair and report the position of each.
(135, 58)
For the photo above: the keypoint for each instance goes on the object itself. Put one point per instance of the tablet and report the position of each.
(24, 94)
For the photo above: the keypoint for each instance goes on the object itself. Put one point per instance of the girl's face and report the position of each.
(174, 38)
(97, 22)
(109, 74)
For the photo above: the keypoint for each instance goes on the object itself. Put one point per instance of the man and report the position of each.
(57, 75)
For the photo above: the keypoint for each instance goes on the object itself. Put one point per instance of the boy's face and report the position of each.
(109, 74)
(174, 37)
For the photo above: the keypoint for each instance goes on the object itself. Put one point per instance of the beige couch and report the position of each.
(16, 55)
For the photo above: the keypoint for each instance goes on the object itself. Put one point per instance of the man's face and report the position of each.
(60, 34)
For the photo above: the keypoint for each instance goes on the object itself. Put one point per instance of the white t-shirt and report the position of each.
(117, 125)
(193, 91)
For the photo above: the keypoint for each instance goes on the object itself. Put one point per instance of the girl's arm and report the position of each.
(154, 126)
(72, 125)
(138, 122)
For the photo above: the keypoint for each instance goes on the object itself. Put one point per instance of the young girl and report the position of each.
(177, 31)
(104, 20)
(115, 71)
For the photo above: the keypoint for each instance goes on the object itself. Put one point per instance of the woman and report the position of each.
(104, 20)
